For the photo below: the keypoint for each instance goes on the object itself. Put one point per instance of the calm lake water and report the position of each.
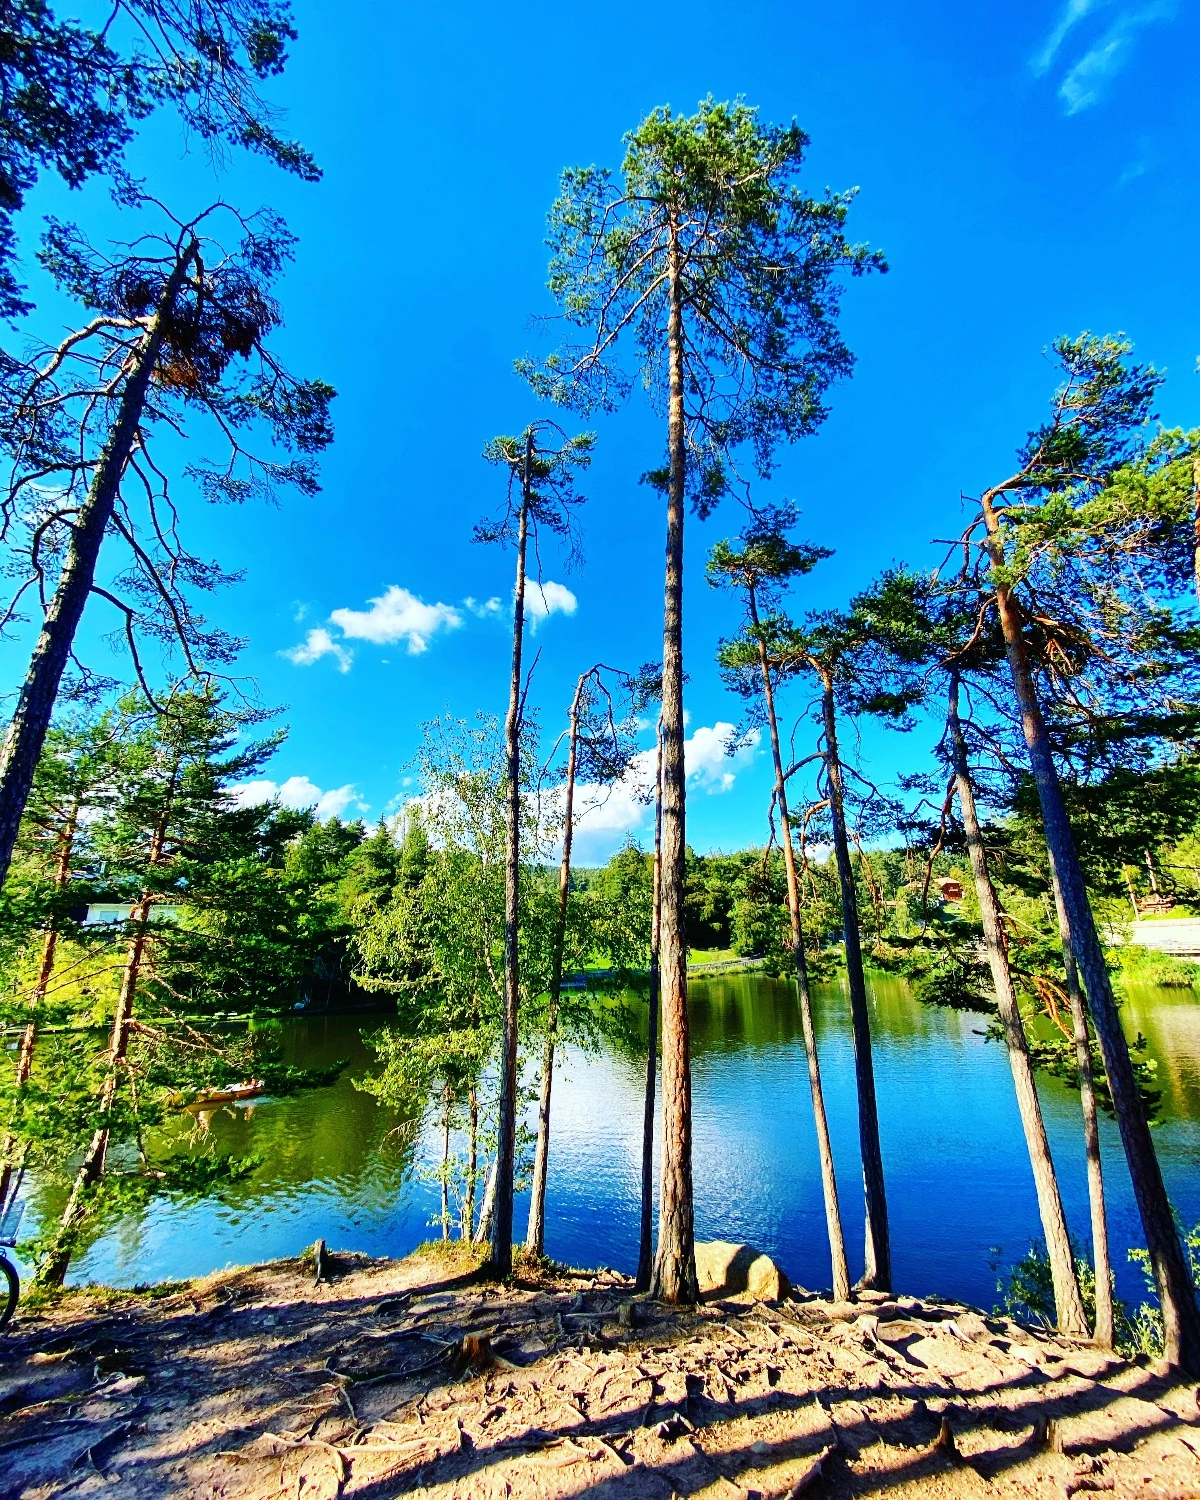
(960, 1194)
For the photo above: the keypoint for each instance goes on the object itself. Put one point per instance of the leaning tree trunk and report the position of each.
(62, 878)
(674, 1278)
(535, 1238)
(27, 731)
(1068, 1304)
(877, 1257)
(1177, 1295)
(1091, 1133)
(833, 1216)
(645, 1267)
(502, 1218)
(54, 1268)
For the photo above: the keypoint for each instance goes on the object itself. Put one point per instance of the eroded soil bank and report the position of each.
(402, 1378)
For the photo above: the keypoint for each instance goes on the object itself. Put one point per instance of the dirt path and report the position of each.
(259, 1383)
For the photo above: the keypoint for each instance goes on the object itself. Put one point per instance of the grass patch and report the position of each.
(457, 1256)
(1146, 966)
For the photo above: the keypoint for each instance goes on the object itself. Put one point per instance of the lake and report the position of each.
(337, 1165)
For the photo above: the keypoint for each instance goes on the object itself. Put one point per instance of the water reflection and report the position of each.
(336, 1164)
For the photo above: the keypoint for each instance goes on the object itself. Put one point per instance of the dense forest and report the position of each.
(1052, 646)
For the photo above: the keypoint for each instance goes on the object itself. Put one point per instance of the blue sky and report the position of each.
(1029, 170)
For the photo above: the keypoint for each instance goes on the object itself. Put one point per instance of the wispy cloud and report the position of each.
(1087, 78)
(397, 615)
(316, 644)
(486, 609)
(545, 599)
(298, 792)
(1075, 11)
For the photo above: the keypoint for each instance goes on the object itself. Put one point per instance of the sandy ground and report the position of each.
(258, 1382)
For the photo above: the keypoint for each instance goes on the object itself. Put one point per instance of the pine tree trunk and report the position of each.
(535, 1238)
(833, 1216)
(502, 1220)
(645, 1267)
(877, 1254)
(1177, 1295)
(467, 1225)
(26, 733)
(674, 1277)
(1068, 1304)
(62, 877)
(1196, 521)
(487, 1210)
(446, 1162)
(1091, 1134)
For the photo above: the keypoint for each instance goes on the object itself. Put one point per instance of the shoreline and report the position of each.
(395, 1376)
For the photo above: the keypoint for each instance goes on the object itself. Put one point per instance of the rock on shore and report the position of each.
(415, 1378)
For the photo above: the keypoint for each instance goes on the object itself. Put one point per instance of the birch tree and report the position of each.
(541, 496)
(600, 749)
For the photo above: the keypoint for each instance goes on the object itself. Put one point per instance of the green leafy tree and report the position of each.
(600, 751)
(170, 813)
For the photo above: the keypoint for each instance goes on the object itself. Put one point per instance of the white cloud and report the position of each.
(395, 616)
(298, 792)
(604, 815)
(316, 644)
(713, 757)
(545, 599)
(1085, 81)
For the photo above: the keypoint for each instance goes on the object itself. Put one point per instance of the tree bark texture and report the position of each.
(877, 1253)
(502, 1220)
(833, 1216)
(1196, 522)
(674, 1278)
(446, 1162)
(645, 1266)
(1091, 1133)
(487, 1209)
(1181, 1318)
(1068, 1304)
(535, 1238)
(467, 1224)
(26, 733)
